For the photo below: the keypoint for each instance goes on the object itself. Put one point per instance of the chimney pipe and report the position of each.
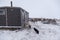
(11, 4)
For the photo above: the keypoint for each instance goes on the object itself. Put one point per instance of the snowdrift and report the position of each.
(46, 32)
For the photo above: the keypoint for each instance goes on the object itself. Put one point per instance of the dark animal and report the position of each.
(36, 30)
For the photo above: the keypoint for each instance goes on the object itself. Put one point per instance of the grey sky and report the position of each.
(37, 8)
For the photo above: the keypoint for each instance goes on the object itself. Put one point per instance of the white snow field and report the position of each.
(46, 32)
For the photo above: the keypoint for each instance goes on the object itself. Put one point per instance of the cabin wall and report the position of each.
(2, 17)
(13, 17)
(24, 17)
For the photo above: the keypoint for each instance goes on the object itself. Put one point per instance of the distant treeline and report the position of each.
(44, 20)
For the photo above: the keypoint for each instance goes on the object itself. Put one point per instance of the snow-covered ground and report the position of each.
(46, 32)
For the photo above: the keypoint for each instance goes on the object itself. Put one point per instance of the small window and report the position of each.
(2, 12)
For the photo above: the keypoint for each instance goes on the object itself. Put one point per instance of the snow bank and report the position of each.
(46, 32)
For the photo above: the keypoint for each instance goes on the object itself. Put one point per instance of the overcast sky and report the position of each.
(37, 8)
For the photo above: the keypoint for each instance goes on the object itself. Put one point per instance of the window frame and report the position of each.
(3, 12)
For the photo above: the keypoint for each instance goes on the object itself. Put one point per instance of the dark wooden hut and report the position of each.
(13, 17)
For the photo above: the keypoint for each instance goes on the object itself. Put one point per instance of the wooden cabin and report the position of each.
(13, 17)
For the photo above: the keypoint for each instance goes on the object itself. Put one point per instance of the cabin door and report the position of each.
(13, 17)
